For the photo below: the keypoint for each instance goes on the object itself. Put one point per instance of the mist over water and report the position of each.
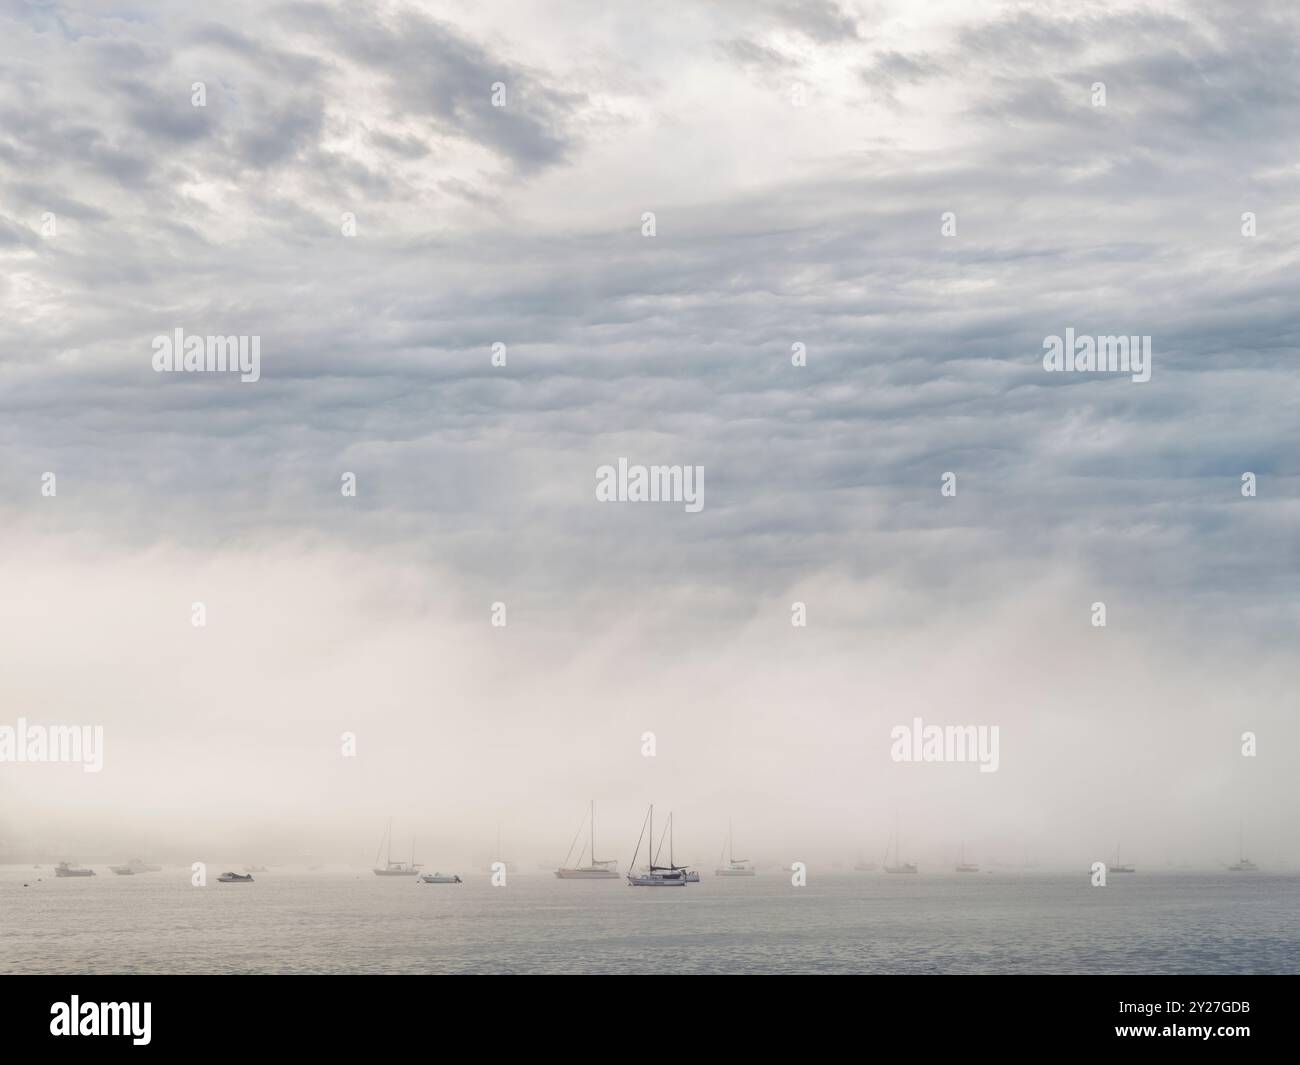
(227, 740)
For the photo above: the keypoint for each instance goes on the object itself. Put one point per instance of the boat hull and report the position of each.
(906, 869)
(395, 872)
(587, 874)
(656, 881)
(74, 872)
(439, 879)
(734, 872)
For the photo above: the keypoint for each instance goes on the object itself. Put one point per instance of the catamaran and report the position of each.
(392, 868)
(597, 868)
(669, 875)
(735, 866)
(64, 869)
(898, 866)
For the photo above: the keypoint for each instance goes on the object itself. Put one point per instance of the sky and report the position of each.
(916, 194)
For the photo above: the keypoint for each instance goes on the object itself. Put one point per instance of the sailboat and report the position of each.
(392, 868)
(1119, 867)
(898, 866)
(735, 866)
(597, 868)
(964, 866)
(1243, 864)
(669, 875)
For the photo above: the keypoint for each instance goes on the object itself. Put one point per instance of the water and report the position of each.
(840, 923)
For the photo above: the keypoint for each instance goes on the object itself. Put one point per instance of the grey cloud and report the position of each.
(434, 72)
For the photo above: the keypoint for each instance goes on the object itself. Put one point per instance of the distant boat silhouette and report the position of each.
(898, 866)
(1243, 864)
(735, 866)
(135, 865)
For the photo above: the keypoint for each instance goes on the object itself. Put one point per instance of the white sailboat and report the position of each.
(735, 866)
(669, 875)
(1119, 867)
(596, 868)
(964, 866)
(392, 868)
(1243, 864)
(898, 866)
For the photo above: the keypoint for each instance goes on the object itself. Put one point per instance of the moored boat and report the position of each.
(596, 868)
(390, 867)
(735, 866)
(670, 875)
(898, 866)
(135, 865)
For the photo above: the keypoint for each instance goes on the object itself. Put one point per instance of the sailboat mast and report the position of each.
(593, 831)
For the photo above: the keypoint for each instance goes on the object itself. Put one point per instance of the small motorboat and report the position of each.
(439, 878)
(234, 878)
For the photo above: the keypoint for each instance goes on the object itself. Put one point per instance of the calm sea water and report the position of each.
(840, 923)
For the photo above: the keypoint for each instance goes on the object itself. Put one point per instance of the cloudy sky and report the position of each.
(798, 159)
